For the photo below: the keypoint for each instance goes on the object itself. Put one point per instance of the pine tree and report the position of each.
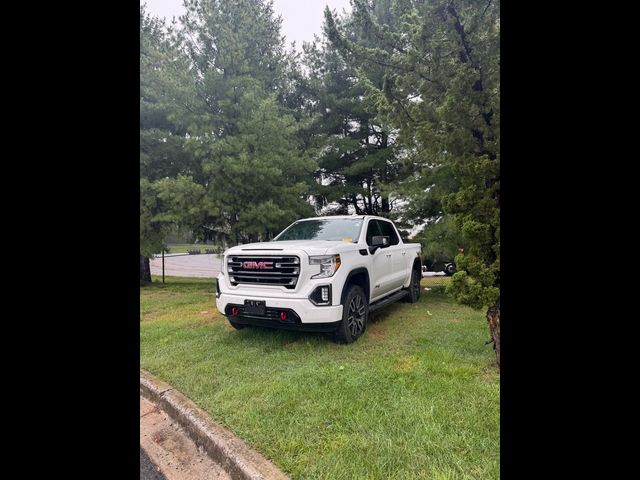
(241, 131)
(441, 90)
(357, 154)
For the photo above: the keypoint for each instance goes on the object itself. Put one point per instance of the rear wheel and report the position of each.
(450, 269)
(414, 287)
(355, 314)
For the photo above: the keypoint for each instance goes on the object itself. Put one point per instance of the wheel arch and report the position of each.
(357, 276)
(417, 265)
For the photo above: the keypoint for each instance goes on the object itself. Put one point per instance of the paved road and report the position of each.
(207, 266)
(148, 470)
(434, 274)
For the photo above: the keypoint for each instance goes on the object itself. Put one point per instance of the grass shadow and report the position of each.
(278, 337)
(383, 314)
(178, 283)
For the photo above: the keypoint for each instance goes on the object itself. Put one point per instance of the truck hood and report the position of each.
(310, 247)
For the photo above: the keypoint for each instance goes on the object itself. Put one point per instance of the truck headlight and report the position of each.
(329, 264)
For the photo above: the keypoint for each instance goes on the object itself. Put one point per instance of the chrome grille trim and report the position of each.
(285, 272)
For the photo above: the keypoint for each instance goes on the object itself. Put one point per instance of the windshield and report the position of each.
(339, 229)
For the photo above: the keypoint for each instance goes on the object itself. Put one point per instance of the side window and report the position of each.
(373, 230)
(389, 231)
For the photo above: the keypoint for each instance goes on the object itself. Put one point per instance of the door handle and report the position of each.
(404, 253)
(388, 254)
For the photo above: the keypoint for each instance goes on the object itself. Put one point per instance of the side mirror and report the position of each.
(379, 242)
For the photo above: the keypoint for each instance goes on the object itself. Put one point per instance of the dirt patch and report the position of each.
(168, 446)
(377, 333)
(406, 364)
(213, 318)
(159, 437)
(150, 317)
(490, 374)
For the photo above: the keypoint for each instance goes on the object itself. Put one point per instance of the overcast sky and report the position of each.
(301, 19)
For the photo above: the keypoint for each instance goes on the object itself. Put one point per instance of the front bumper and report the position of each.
(272, 319)
(303, 313)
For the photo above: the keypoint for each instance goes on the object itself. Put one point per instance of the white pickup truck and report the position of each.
(323, 274)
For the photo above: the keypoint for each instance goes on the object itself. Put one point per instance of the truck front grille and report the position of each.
(264, 270)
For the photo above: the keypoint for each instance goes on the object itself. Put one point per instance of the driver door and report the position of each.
(380, 264)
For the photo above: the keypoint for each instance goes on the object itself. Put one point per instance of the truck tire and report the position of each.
(414, 287)
(355, 315)
(450, 269)
(237, 326)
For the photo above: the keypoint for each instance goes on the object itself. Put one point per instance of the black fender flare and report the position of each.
(419, 262)
(352, 273)
(417, 265)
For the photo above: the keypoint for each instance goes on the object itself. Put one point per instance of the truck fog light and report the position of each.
(321, 295)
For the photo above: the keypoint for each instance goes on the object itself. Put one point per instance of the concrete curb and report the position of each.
(235, 456)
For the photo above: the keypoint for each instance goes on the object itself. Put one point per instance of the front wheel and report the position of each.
(414, 287)
(355, 314)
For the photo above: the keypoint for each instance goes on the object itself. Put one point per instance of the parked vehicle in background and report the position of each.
(442, 241)
(446, 265)
(324, 274)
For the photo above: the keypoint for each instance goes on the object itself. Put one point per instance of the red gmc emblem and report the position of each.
(257, 265)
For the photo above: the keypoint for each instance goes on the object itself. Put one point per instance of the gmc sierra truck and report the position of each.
(324, 274)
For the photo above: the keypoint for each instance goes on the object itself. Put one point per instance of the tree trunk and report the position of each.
(385, 204)
(145, 269)
(493, 318)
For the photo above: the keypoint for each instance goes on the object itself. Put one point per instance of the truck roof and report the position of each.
(345, 216)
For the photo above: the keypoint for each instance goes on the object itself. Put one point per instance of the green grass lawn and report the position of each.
(435, 281)
(416, 397)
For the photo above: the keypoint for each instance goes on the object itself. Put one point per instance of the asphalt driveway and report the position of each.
(204, 265)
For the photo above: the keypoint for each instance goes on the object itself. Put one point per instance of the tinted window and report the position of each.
(389, 231)
(339, 229)
(372, 231)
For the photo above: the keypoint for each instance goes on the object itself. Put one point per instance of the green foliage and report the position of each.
(164, 163)
(438, 289)
(358, 157)
(151, 232)
(440, 61)
(220, 150)
(440, 239)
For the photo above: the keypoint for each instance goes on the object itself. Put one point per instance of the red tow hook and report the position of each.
(283, 316)
(234, 311)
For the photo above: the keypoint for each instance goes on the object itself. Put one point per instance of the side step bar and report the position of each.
(374, 307)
